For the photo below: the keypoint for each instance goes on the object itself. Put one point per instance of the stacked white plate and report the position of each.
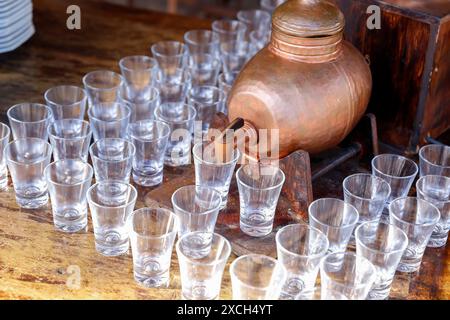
(16, 23)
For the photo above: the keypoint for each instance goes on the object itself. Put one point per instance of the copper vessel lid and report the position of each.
(308, 18)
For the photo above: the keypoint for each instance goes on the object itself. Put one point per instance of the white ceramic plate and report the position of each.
(8, 16)
(18, 41)
(20, 24)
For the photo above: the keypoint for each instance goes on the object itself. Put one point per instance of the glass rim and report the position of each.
(112, 73)
(242, 15)
(403, 234)
(311, 214)
(433, 146)
(416, 168)
(207, 212)
(143, 57)
(8, 131)
(384, 182)
(154, 93)
(48, 117)
(193, 261)
(162, 236)
(54, 163)
(419, 186)
(49, 100)
(278, 185)
(309, 228)
(192, 114)
(96, 184)
(396, 217)
(183, 46)
(129, 143)
(84, 136)
(237, 154)
(214, 38)
(46, 143)
(121, 105)
(158, 122)
(217, 26)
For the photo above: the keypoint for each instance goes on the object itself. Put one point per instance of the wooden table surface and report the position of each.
(36, 262)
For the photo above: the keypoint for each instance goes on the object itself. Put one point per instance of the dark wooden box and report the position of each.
(410, 62)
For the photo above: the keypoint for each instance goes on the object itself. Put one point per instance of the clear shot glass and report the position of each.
(170, 55)
(300, 249)
(234, 55)
(197, 208)
(142, 109)
(103, 86)
(212, 171)
(68, 182)
(139, 73)
(259, 189)
(111, 203)
(150, 139)
(109, 120)
(202, 42)
(112, 159)
(207, 101)
(5, 133)
(181, 123)
(257, 277)
(70, 139)
(204, 69)
(346, 274)
(26, 159)
(29, 120)
(258, 40)
(434, 160)
(436, 190)
(417, 218)
(229, 30)
(270, 5)
(383, 245)
(173, 88)
(202, 257)
(368, 194)
(335, 218)
(152, 235)
(255, 20)
(226, 81)
(66, 102)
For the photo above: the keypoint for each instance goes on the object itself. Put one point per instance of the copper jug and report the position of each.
(308, 82)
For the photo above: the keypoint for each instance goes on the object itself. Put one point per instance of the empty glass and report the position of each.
(434, 160)
(197, 208)
(207, 101)
(226, 81)
(383, 245)
(201, 42)
(347, 274)
(174, 88)
(66, 102)
(70, 139)
(229, 30)
(152, 235)
(181, 123)
(26, 159)
(29, 120)
(171, 55)
(202, 257)
(103, 86)
(139, 74)
(204, 69)
(336, 219)
(258, 40)
(436, 190)
(257, 277)
(68, 182)
(109, 120)
(150, 139)
(270, 5)
(368, 194)
(111, 203)
(259, 189)
(300, 249)
(4, 140)
(142, 108)
(112, 159)
(255, 20)
(234, 55)
(417, 218)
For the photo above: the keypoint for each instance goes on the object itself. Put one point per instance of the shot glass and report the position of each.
(4, 140)
(346, 274)
(436, 190)
(202, 257)
(142, 108)
(66, 102)
(417, 218)
(171, 55)
(335, 218)
(257, 277)
(111, 203)
(150, 139)
(103, 86)
(226, 81)
(259, 189)
(68, 182)
(152, 235)
(229, 30)
(204, 69)
(202, 42)
(300, 249)
(173, 88)
(368, 194)
(109, 120)
(197, 208)
(270, 5)
(255, 20)
(234, 55)
(207, 101)
(70, 139)
(212, 171)
(26, 159)
(383, 245)
(258, 40)
(181, 123)
(139, 73)
(112, 159)
(29, 120)
(434, 160)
